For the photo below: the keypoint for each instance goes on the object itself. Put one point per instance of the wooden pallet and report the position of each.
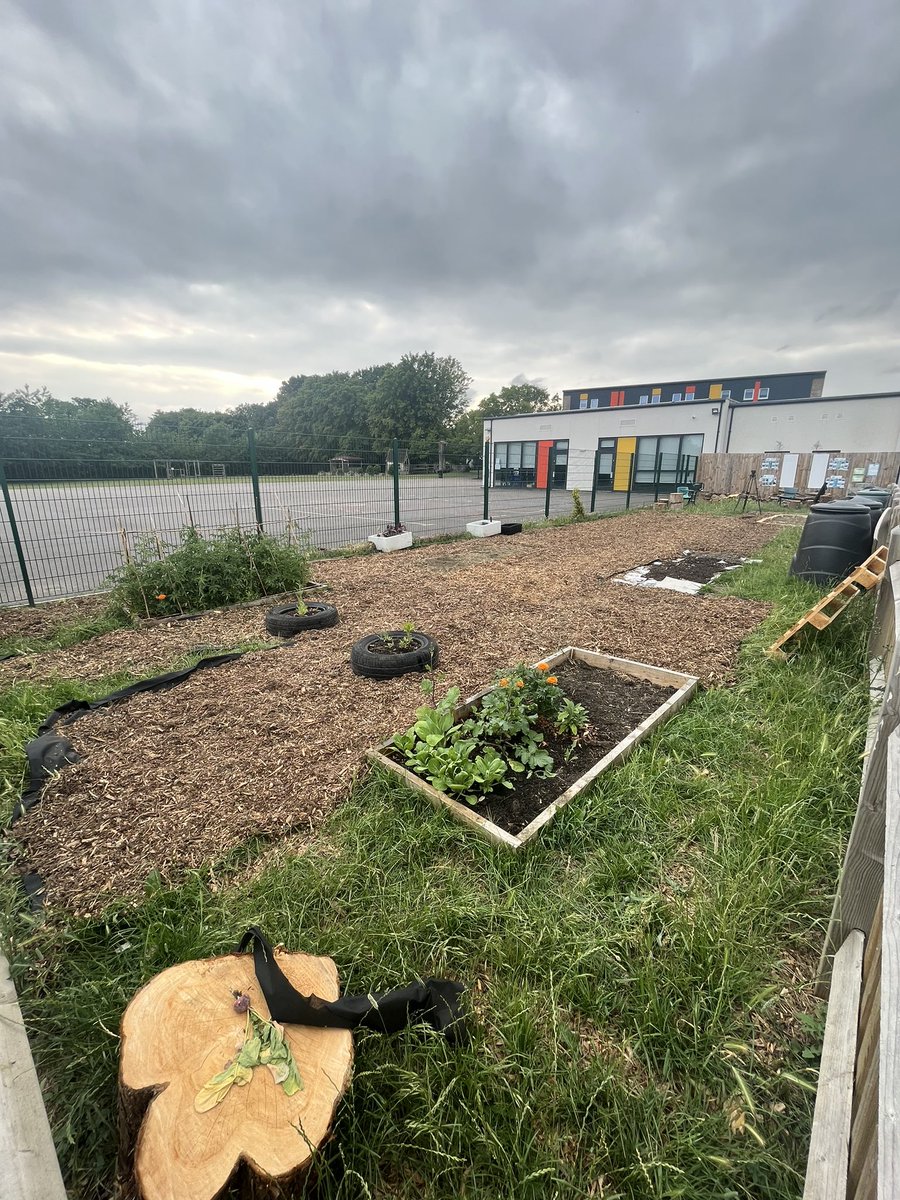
(824, 612)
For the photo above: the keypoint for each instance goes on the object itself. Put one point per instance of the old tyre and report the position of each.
(419, 657)
(284, 621)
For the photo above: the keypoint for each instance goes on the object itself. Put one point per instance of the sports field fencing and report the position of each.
(72, 514)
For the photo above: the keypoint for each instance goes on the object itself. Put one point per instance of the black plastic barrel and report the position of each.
(882, 495)
(836, 538)
(873, 504)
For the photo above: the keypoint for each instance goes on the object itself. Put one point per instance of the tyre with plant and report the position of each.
(287, 620)
(395, 652)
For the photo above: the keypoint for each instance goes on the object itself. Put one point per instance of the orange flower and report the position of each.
(551, 679)
(504, 683)
(519, 683)
(162, 596)
(543, 666)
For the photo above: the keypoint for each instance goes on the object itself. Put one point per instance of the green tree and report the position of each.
(467, 436)
(417, 402)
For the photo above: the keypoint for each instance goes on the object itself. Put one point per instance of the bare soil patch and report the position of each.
(698, 568)
(269, 743)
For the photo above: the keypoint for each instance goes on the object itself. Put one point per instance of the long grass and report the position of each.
(639, 979)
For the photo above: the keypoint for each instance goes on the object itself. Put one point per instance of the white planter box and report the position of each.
(685, 686)
(399, 541)
(483, 528)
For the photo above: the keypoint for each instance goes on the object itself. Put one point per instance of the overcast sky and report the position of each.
(199, 199)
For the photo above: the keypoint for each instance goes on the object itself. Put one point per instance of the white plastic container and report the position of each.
(483, 528)
(397, 541)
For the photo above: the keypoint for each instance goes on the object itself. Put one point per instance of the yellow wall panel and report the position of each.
(625, 448)
(715, 391)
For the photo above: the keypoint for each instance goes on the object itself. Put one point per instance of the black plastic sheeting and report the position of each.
(434, 1002)
(49, 751)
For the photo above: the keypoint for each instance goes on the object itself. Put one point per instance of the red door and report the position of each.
(543, 459)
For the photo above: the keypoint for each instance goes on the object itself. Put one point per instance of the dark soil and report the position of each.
(615, 705)
(389, 645)
(699, 568)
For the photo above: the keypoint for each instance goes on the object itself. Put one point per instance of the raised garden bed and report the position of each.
(625, 700)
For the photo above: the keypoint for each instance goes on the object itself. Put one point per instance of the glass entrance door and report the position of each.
(605, 463)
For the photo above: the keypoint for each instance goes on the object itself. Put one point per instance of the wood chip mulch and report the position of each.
(138, 651)
(269, 743)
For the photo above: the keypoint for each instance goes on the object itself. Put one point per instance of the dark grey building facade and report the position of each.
(749, 389)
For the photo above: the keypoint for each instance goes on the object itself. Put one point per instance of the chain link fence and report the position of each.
(67, 524)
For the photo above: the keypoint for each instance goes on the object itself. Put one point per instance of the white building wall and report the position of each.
(584, 427)
(860, 424)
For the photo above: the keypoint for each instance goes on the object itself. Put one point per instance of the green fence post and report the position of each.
(656, 475)
(17, 541)
(254, 479)
(486, 472)
(551, 463)
(596, 470)
(630, 481)
(396, 474)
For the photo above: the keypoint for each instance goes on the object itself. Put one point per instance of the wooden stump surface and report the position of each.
(177, 1033)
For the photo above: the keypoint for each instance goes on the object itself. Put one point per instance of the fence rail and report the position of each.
(855, 1143)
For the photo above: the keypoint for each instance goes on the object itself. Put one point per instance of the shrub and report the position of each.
(578, 513)
(198, 572)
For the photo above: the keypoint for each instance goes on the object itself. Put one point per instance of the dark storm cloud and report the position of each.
(573, 191)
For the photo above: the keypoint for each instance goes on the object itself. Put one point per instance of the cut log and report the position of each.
(180, 1031)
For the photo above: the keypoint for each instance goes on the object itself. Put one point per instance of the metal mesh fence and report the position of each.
(67, 523)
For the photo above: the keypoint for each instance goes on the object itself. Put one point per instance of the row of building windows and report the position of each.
(656, 397)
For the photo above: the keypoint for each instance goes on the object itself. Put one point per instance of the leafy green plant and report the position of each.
(227, 567)
(505, 735)
(578, 513)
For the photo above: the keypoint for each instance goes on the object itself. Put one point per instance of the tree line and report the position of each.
(421, 400)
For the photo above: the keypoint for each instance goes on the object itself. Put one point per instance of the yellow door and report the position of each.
(625, 448)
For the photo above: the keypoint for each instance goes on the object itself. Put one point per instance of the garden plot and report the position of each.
(687, 574)
(269, 743)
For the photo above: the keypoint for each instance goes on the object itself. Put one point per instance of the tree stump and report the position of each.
(181, 1030)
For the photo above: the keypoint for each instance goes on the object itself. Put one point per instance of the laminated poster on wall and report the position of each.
(768, 480)
(836, 481)
(873, 469)
(769, 464)
(839, 464)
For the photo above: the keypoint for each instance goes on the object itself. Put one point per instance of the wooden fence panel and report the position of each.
(889, 1056)
(727, 474)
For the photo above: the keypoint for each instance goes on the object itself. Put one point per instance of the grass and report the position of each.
(631, 1037)
(66, 634)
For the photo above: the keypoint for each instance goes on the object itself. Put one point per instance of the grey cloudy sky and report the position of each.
(199, 199)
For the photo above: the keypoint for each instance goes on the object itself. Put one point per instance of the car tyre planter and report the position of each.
(396, 541)
(483, 528)
(284, 621)
(375, 664)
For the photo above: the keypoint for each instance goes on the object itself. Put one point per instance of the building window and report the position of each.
(763, 393)
(655, 398)
(582, 403)
(726, 395)
(748, 393)
(676, 397)
(515, 464)
(644, 400)
(595, 402)
(675, 457)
